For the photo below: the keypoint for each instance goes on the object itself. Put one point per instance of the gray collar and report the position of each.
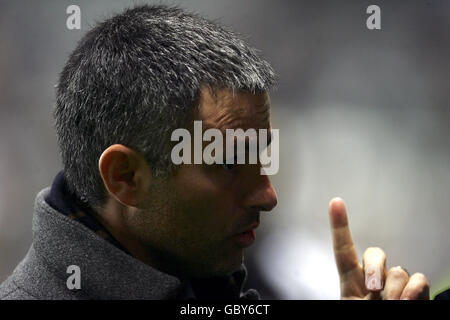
(106, 271)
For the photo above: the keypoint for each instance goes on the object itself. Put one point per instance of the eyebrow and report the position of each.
(207, 126)
(247, 148)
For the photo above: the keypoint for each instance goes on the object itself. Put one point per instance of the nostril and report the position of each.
(263, 199)
(270, 200)
(267, 205)
(258, 209)
(271, 206)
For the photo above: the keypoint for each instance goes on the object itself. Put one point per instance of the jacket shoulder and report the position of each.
(32, 279)
(10, 291)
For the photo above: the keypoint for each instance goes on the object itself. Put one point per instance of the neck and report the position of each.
(113, 216)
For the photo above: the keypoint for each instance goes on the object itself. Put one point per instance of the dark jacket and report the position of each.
(445, 295)
(106, 271)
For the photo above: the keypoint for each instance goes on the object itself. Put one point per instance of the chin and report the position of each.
(230, 264)
(219, 266)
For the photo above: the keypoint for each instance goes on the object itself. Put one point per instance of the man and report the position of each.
(122, 221)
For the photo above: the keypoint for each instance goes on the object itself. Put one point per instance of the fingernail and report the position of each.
(406, 298)
(373, 282)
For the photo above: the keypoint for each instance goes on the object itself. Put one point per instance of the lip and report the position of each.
(250, 227)
(247, 237)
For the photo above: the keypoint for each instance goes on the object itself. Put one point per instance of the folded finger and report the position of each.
(374, 261)
(416, 288)
(396, 280)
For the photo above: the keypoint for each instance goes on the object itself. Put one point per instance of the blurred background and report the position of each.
(363, 114)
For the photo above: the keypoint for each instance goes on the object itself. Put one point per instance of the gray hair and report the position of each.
(136, 77)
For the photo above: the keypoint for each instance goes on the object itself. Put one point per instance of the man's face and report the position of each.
(194, 219)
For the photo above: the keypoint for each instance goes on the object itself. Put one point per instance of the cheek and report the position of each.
(207, 203)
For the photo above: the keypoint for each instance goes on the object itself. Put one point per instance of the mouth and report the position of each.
(245, 239)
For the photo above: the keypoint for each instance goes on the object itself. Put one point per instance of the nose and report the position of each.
(264, 197)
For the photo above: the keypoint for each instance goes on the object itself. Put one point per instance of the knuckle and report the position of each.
(397, 273)
(373, 249)
(418, 288)
(345, 248)
(375, 254)
(421, 279)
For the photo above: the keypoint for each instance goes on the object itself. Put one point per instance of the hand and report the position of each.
(371, 280)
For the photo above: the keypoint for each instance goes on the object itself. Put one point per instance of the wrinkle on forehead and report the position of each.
(230, 110)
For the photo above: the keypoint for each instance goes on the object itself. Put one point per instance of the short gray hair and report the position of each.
(136, 77)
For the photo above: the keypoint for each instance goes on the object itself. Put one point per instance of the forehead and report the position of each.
(224, 109)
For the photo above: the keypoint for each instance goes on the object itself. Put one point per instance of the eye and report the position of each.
(228, 166)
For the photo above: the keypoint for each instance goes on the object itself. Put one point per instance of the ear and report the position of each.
(125, 174)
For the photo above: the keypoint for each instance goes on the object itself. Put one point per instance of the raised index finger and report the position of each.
(344, 249)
